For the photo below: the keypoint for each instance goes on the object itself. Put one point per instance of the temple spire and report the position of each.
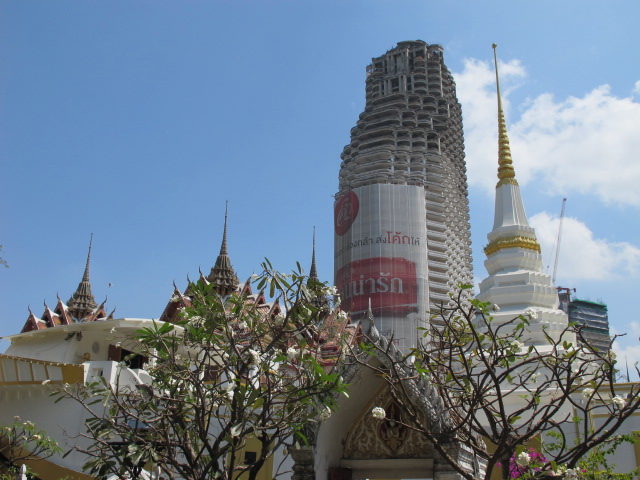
(510, 225)
(223, 247)
(82, 303)
(313, 271)
(506, 173)
(85, 276)
(222, 275)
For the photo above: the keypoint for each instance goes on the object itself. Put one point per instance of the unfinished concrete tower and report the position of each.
(408, 137)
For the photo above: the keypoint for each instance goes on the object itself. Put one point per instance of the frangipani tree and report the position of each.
(20, 443)
(231, 373)
(502, 398)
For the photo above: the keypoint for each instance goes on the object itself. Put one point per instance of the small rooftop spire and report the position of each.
(85, 276)
(506, 173)
(82, 303)
(222, 275)
(313, 271)
(223, 247)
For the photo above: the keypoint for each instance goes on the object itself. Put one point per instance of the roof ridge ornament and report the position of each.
(506, 172)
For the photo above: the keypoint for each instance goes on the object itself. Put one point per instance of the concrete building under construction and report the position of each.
(407, 143)
(593, 317)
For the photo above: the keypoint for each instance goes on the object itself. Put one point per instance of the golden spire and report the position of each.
(506, 173)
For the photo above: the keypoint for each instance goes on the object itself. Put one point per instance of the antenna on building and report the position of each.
(555, 263)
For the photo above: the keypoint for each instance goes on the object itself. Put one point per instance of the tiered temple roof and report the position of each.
(81, 307)
(222, 276)
(332, 327)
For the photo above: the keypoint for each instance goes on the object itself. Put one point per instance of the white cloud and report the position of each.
(582, 256)
(636, 88)
(587, 145)
(628, 350)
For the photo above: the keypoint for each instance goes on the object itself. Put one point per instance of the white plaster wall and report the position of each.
(63, 421)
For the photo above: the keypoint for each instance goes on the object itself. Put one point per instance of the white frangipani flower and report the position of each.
(292, 353)
(587, 392)
(254, 357)
(523, 459)
(619, 401)
(495, 307)
(378, 413)
(571, 474)
(325, 413)
(330, 290)
(531, 313)
(342, 315)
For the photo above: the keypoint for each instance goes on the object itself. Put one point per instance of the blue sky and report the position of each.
(136, 120)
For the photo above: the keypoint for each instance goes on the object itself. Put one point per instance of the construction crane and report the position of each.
(555, 263)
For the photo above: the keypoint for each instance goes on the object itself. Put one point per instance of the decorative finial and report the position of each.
(223, 247)
(369, 323)
(222, 274)
(313, 271)
(85, 277)
(82, 304)
(506, 173)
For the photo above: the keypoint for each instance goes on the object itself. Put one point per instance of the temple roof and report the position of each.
(81, 304)
(222, 275)
(81, 307)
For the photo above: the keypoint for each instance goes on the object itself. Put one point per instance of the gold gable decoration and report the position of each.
(388, 438)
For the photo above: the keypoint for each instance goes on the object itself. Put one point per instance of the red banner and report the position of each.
(390, 283)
